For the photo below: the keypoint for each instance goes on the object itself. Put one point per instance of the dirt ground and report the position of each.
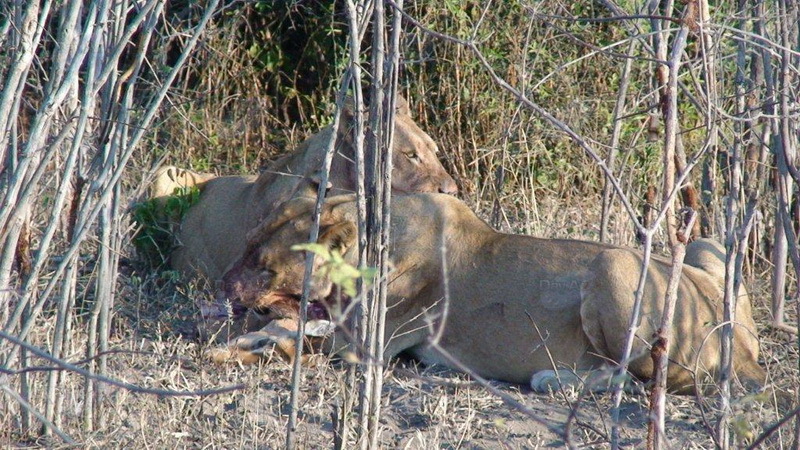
(423, 407)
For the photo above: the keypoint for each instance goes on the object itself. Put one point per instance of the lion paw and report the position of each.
(546, 381)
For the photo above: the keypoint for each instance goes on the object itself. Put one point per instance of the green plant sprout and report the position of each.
(158, 219)
(334, 267)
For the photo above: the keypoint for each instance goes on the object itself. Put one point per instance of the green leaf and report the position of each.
(335, 268)
(368, 273)
(317, 249)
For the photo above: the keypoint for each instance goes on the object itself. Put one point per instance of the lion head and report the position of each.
(268, 278)
(415, 160)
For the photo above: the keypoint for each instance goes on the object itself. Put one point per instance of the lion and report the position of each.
(212, 233)
(518, 305)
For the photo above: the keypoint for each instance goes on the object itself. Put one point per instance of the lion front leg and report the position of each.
(277, 339)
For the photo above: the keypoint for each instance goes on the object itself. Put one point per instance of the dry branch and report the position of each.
(357, 29)
(619, 108)
(80, 87)
(291, 427)
(664, 339)
(63, 365)
(30, 408)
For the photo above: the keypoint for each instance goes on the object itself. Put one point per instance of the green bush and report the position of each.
(157, 222)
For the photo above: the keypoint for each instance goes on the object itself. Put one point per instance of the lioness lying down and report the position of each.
(518, 305)
(212, 234)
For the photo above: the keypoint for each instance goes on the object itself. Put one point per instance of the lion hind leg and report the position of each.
(607, 303)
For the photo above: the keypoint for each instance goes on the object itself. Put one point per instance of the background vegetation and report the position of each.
(261, 79)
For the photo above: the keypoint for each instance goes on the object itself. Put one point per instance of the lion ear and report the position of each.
(316, 180)
(401, 106)
(340, 236)
(336, 210)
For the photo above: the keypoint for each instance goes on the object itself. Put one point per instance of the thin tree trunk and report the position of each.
(619, 108)
(291, 427)
(58, 133)
(27, 33)
(389, 108)
(656, 438)
(669, 98)
(374, 198)
(729, 301)
(788, 143)
(346, 418)
(660, 44)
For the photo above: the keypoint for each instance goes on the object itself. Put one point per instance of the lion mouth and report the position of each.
(277, 305)
(316, 310)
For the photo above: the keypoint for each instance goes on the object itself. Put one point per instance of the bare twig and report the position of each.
(28, 407)
(661, 347)
(670, 110)
(382, 211)
(110, 381)
(291, 427)
(357, 28)
(619, 107)
(769, 431)
(785, 143)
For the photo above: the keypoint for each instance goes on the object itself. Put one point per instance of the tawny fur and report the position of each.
(516, 303)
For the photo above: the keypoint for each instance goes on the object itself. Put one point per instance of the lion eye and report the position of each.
(268, 273)
(414, 156)
(262, 310)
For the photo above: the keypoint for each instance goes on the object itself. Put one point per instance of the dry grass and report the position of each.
(424, 407)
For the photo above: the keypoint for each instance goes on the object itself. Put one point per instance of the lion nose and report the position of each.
(448, 186)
